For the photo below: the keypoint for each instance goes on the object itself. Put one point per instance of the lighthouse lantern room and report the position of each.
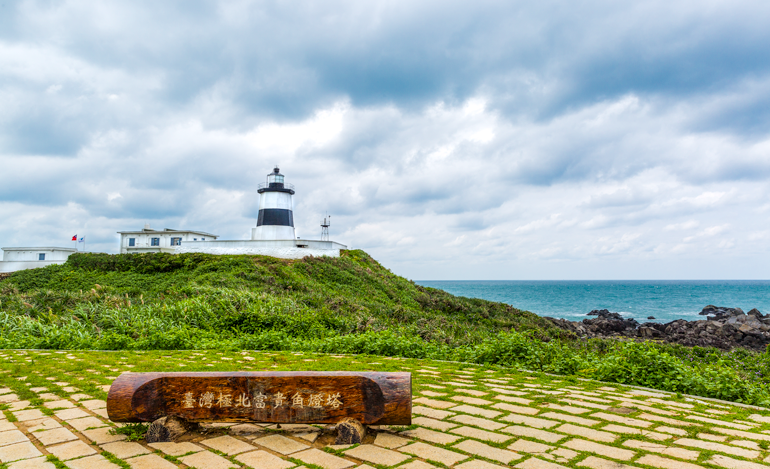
(276, 206)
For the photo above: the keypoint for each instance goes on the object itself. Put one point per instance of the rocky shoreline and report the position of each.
(724, 328)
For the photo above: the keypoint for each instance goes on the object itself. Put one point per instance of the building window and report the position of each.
(41, 256)
(132, 241)
(155, 242)
(195, 239)
(176, 241)
(203, 239)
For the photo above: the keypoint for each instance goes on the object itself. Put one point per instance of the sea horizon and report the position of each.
(665, 300)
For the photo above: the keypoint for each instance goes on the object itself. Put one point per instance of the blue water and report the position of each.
(666, 300)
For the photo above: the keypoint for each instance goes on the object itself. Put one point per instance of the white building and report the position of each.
(31, 258)
(166, 240)
(274, 234)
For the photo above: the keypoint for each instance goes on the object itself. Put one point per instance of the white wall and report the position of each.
(143, 241)
(13, 266)
(282, 200)
(268, 232)
(32, 254)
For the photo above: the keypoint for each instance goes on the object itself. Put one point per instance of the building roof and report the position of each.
(167, 231)
(40, 249)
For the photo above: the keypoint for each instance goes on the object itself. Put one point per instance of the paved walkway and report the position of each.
(462, 419)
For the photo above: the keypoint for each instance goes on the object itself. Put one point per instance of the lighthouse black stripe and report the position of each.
(275, 216)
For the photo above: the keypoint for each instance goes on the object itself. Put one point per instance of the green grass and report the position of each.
(349, 305)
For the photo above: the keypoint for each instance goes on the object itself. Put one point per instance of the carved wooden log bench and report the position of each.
(349, 399)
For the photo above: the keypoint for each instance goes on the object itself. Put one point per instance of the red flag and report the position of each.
(75, 238)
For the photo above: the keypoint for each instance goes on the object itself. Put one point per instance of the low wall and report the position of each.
(282, 253)
(13, 266)
(283, 248)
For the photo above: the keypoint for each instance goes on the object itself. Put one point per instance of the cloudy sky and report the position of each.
(450, 140)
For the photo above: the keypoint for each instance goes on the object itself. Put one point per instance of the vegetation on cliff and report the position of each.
(350, 304)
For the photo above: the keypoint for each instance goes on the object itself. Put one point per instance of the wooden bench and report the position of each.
(309, 397)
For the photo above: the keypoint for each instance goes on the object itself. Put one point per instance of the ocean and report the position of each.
(666, 300)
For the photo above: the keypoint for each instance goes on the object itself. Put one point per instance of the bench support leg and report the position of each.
(350, 432)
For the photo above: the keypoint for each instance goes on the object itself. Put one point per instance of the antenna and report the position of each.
(327, 221)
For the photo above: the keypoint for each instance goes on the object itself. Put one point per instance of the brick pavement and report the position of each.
(462, 419)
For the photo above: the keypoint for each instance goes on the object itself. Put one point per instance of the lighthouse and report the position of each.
(276, 205)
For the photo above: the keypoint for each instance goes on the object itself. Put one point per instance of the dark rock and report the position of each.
(650, 317)
(724, 328)
(598, 312)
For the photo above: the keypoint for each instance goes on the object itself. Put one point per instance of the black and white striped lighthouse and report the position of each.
(276, 205)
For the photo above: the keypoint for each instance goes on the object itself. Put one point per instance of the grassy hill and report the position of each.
(350, 304)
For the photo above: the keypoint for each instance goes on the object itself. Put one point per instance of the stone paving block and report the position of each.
(71, 450)
(567, 408)
(530, 421)
(311, 437)
(671, 430)
(710, 437)
(584, 404)
(389, 440)
(486, 451)
(433, 393)
(94, 404)
(377, 455)
(604, 450)
(246, 429)
(542, 435)
(86, 423)
(49, 397)
(472, 392)
(471, 400)
(564, 454)
(662, 449)
(281, 444)
(591, 434)
(433, 403)
(636, 431)
(481, 434)
(18, 405)
(731, 463)
(508, 391)
(24, 450)
(80, 397)
(469, 409)
(654, 410)
(102, 413)
(59, 404)
(666, 420)
(8, 398)
(737, 426)
(69, 414)
(57, 435)
(176, 449)
(570, 418)
(478, 464)
(712, 446)
(263, 460)
(433, 453)
(102, 435)
(440, 438)
(665, 463)
(416, 464)
(621, 419)
(477, 422)
(5, 425)
(515, 400)
(34, 426)
(516, 408)
(742, 434)
(34, 463)
(747, 444)
(526, 446)
(31, 414)
(96, 461)
(598, 463)
(12, 437)
(535, 463)
(433, 423)
(231, 446)
(207, 460)
(125, 449)
(153, 461)
(432, 413)
(323, 459)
